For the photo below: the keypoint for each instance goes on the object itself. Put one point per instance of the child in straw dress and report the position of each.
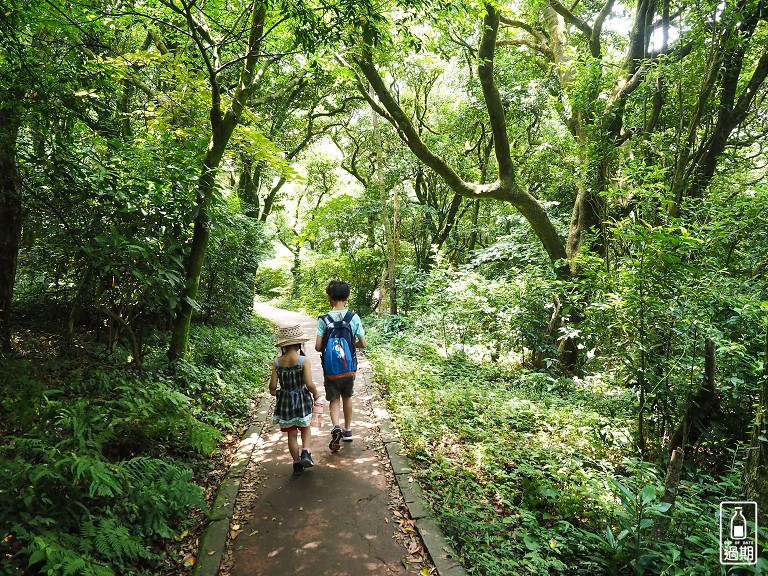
(295, 396)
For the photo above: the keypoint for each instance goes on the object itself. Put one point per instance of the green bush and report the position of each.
(229, 276)
(78, 493)
(272, 282)
(361, 270)
(463, 310)
(529, 473)
(99, 463)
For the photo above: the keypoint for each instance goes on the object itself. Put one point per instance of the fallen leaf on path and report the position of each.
(415, 559)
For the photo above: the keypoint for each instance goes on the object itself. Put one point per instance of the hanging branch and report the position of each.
(505, 188)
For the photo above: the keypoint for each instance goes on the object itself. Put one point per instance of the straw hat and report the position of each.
(293, 334)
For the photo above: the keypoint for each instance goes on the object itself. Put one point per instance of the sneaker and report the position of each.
(346, 435)
(298, 469)
(306, 459)
(336, 435)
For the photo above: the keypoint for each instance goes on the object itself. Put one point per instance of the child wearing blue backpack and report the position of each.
(339, 334)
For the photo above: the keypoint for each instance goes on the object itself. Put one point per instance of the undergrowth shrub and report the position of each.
(272, 282)
(484, 317)
(361, 269)
(229, 276)
(98, 463)
(530, 473)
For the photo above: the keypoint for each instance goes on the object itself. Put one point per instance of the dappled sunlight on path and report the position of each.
(336, 518)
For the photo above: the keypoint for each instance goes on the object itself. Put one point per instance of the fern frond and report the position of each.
(114, 541)
(56, 553)
(203, 437)
(73, 565)
(104, 477)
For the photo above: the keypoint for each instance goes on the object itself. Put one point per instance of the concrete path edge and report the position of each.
(442, 554)
(213, 541)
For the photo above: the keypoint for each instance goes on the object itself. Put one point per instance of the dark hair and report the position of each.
(284, 349)
(338, 291)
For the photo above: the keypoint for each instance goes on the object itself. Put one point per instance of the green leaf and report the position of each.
(530, 543)
(648, 494)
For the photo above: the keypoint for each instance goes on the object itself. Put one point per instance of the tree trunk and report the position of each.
(701, 409)
(388, 225)
(392, 260)
(248, 187)
(222, 127)
(674, 474)
(755, 479)
(194, 263)
(10, 214)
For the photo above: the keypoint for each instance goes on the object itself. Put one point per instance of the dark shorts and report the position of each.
(341, 387)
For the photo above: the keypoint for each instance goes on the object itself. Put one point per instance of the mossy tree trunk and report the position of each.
(222, 126)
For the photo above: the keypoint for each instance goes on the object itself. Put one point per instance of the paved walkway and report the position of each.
(357, 512)
(337, 518)
(334, 519)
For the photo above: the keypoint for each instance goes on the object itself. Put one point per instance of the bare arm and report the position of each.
(361, 343)
(273, 381)
(307, 372)
(319, 343)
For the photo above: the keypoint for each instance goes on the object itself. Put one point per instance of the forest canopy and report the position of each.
(560, 207)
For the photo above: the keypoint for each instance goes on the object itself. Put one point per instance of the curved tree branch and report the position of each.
(571, 18)
(504, 188)
(542, 49)
(400, 120)
(493, 98)
(597, 28)
(511, 23)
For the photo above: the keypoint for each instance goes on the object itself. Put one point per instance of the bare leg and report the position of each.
(333, 411)
(293, 444)
(347, 403)
(306, 438)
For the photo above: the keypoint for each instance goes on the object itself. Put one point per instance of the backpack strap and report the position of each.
(328, 321)
(348, 319)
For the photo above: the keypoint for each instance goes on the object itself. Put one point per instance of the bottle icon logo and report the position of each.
(738, 525)
(738, 533)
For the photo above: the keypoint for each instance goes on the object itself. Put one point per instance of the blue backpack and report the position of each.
(338, 354)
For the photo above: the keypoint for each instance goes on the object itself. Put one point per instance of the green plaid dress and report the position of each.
(294, 400)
